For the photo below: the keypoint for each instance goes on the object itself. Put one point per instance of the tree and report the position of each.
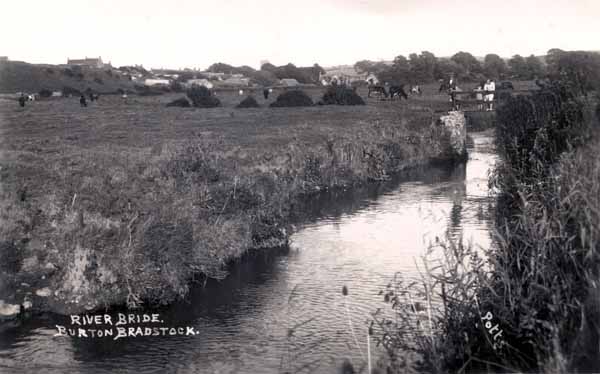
(518, 67)
(313, 73)
(494, 66)
(578, 69)
(552, 57)
(269, 67)
(422, 67)
(446, 67)
(397, 73)
(220, 67)
(364, 66)
(469, 64)
(535, 68)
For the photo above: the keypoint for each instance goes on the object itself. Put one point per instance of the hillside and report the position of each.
(17, 76)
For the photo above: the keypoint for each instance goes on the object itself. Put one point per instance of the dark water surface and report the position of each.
(358, 239)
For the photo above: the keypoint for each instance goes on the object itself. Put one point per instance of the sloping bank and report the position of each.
(139, 230)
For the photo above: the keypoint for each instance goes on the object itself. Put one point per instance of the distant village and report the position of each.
(214, 79)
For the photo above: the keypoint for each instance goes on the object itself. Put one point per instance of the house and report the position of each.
(210, 75)
(89, 62)
(289, 82)
(156, 82)
(199, 82)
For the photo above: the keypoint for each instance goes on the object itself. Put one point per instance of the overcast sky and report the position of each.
(188, 33)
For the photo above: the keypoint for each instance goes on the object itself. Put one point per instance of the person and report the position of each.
(22, 101)
(489, 89)
(479, 96)
(82, 101)
(266, 93)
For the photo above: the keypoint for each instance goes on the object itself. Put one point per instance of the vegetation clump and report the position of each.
(202, 97)
(182, 102)
(248, 102)
(341, 95)
(292, 98)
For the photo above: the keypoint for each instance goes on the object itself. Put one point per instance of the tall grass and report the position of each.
(539, 284)
(136, 226)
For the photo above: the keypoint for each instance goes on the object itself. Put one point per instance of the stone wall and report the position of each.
(454, 127)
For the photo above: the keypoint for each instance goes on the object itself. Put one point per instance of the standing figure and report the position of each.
(489, 89)
(266, 93)
(82, 101)
(22, 101)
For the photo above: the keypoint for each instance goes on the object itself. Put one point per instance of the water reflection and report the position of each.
(357, 239)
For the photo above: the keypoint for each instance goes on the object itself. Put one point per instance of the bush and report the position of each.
(292, 99)
(68, 72)
(182, 102)
(202, 97)
(98, 80)
(341, 95)
(248, 102)
(44, 92)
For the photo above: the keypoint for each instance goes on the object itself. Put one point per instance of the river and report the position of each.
(357, 239)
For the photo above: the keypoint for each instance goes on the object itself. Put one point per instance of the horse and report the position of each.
(378, 89)
(398, 90)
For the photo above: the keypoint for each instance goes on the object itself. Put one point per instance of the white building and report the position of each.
(199, 82)
(289, 82)
(156, 82)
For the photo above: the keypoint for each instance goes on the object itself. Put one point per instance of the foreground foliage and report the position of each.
(539, 285)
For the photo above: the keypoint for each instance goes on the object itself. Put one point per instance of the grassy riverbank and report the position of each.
(531, 302)
(127, 202)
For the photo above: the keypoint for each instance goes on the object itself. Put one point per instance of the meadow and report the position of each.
(127, 201)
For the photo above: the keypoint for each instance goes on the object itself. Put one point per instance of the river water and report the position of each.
(357, 239)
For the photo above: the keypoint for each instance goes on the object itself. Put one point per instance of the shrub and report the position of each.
(44, 92)
(68, 72)
(182, 102)
(248, 102)
(292, 99)
(98, 80)
(202, 97)
(341, 95)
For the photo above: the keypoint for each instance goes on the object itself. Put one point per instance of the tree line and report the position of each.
(426, 67)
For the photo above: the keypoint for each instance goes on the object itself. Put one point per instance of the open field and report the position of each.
(126, 201)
